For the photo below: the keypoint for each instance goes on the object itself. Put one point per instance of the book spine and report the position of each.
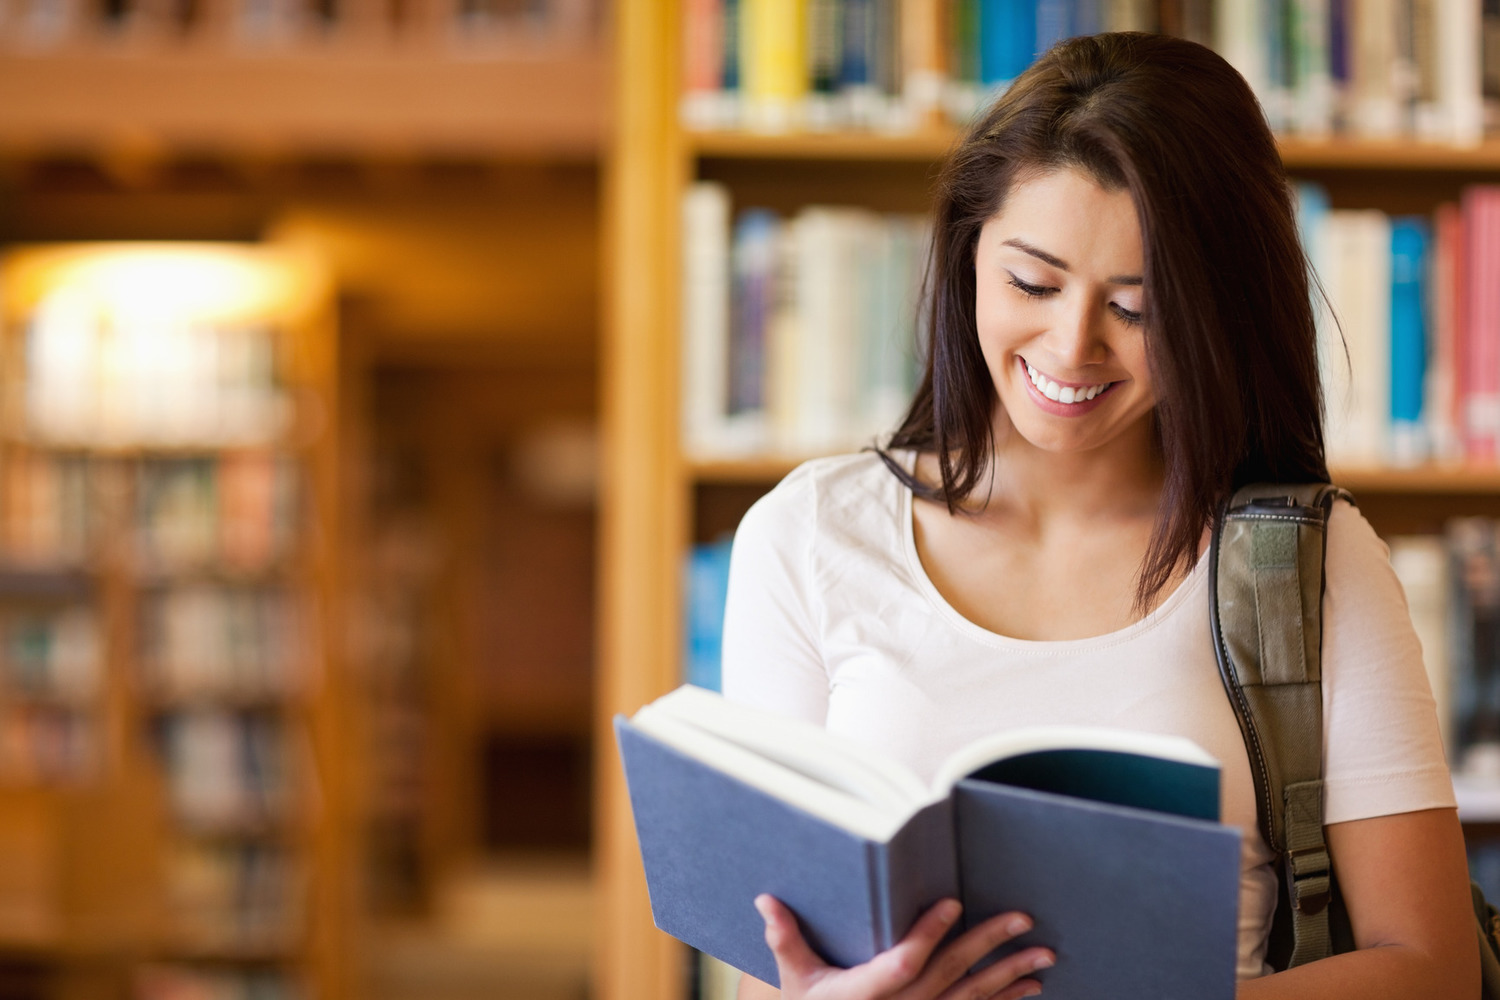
(825, 39)
(1376, 109)
(703, 97)
(922, 62)
(1421, 564)
(753, 263)
(1241, 43)
(776, 63)
(963, 89)
(1007, 37)
(1408, 344)
(705, 315)
(1459, 58)
(1482, 324)
(1313, 82)
(1444, 400)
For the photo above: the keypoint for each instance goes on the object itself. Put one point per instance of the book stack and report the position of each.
(46, 508)
(800, 334)
(1409, 330)
(237, 897)
(49, 690)
(235, 510)
(228, 773)
(229, 642)
(1373, 67)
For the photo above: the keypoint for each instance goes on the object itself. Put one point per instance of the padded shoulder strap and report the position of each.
(1266, 609)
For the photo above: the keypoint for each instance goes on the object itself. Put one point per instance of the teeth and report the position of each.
(1063, 393)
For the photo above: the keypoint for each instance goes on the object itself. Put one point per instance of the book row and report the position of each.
(50, 655)
(237, 511)
(1409, 329)
(44, 744)
(258, 24)
(229, 772)
(799, 334)
(223, 641)
(95, 375)
(235, 896)
(164, 981)
(1371, 67)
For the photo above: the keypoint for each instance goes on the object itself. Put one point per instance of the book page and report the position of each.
(797, 746)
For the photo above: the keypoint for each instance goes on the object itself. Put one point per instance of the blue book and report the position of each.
(1409, 243)
(859, 42)
(707, 590)
(753, 258)
(1109, 839)
(1007, 40)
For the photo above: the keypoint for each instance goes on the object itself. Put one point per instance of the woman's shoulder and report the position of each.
(838, 491)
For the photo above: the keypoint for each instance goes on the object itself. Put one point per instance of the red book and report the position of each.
(1482, 322)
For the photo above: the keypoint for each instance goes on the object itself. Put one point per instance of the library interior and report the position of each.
(381, 382)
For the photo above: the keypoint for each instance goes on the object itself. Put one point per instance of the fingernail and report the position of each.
(948, 910)
(763, 906)
(1018, 925)
(1033, 991)
(1042, 962)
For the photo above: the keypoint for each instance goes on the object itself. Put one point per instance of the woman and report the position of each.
(1122, 334)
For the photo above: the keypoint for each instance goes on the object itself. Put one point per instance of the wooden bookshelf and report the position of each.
(661, 499)
(133, 839)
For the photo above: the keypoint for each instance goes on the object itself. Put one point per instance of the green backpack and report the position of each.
(1266, 566)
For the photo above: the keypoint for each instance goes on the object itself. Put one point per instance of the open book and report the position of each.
(1109, 839)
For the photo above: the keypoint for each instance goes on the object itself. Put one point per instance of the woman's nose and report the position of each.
(1078, 337)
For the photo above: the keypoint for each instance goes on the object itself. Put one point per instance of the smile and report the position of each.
(1066, 394)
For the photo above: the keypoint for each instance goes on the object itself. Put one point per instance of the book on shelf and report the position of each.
(1110, 840)
(229, 896)
(52, 654)
(1380, 68)
(43, 743)
(707, 591)
(1408, 329)
(236, 510)
(799, 335)
(47, 508)
(228, 771)
(227, 641)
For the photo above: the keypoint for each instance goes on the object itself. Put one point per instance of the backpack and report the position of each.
(1265, 611)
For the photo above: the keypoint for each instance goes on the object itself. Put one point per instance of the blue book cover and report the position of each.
(731, 43)
(1054, 22)
(707, 590)
(1409, 247)
(1007, 39)
(1109, 840)
(859, 40)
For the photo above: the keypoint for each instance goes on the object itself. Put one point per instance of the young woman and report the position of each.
(1121, 335)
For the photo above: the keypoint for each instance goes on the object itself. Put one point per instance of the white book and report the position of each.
(1354, 353)
(1313, 100)
(705, 316)
(1374, 64)
(821, 375)
(1238, 38)
(1459, 61)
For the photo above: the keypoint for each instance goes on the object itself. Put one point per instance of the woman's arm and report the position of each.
(1405, 882)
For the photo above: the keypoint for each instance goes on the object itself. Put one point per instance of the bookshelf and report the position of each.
(166, 574)
(660, 499)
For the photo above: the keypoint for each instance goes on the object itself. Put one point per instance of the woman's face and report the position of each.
(1058, 310)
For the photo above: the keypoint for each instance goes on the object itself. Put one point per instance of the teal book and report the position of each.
(1108, 838)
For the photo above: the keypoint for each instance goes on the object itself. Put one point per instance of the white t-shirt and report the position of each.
(832, 618)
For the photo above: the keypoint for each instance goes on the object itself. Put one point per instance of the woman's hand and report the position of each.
(911, 970)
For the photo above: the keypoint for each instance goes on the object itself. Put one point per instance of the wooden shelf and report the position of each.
(1417, 480)
(380, 102)
(932, 144)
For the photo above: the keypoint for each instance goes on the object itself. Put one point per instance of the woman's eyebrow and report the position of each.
(1047, 258)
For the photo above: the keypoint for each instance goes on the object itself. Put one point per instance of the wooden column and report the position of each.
(642, 532)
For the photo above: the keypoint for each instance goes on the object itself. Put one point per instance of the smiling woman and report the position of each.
(1121, 336)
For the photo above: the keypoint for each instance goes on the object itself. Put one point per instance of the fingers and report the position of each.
(899, 966)
(795, 960)
(1003, 979)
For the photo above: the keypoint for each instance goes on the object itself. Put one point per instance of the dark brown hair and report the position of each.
(1229, 322)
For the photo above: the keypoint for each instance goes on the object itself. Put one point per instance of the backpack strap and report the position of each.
(1266, 612)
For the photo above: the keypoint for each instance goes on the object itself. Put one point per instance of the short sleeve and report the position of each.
(772, 653)
(1382, 750)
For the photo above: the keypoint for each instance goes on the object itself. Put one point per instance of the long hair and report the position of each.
(1230, 336)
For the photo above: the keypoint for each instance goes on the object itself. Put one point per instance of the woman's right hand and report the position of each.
(915, 969)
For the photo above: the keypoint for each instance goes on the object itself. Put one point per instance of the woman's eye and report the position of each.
(1030, 291)
(1125, 315)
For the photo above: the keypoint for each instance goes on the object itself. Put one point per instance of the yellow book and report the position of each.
(774, 58)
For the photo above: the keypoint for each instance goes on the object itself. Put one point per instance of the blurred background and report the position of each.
(381, 381)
